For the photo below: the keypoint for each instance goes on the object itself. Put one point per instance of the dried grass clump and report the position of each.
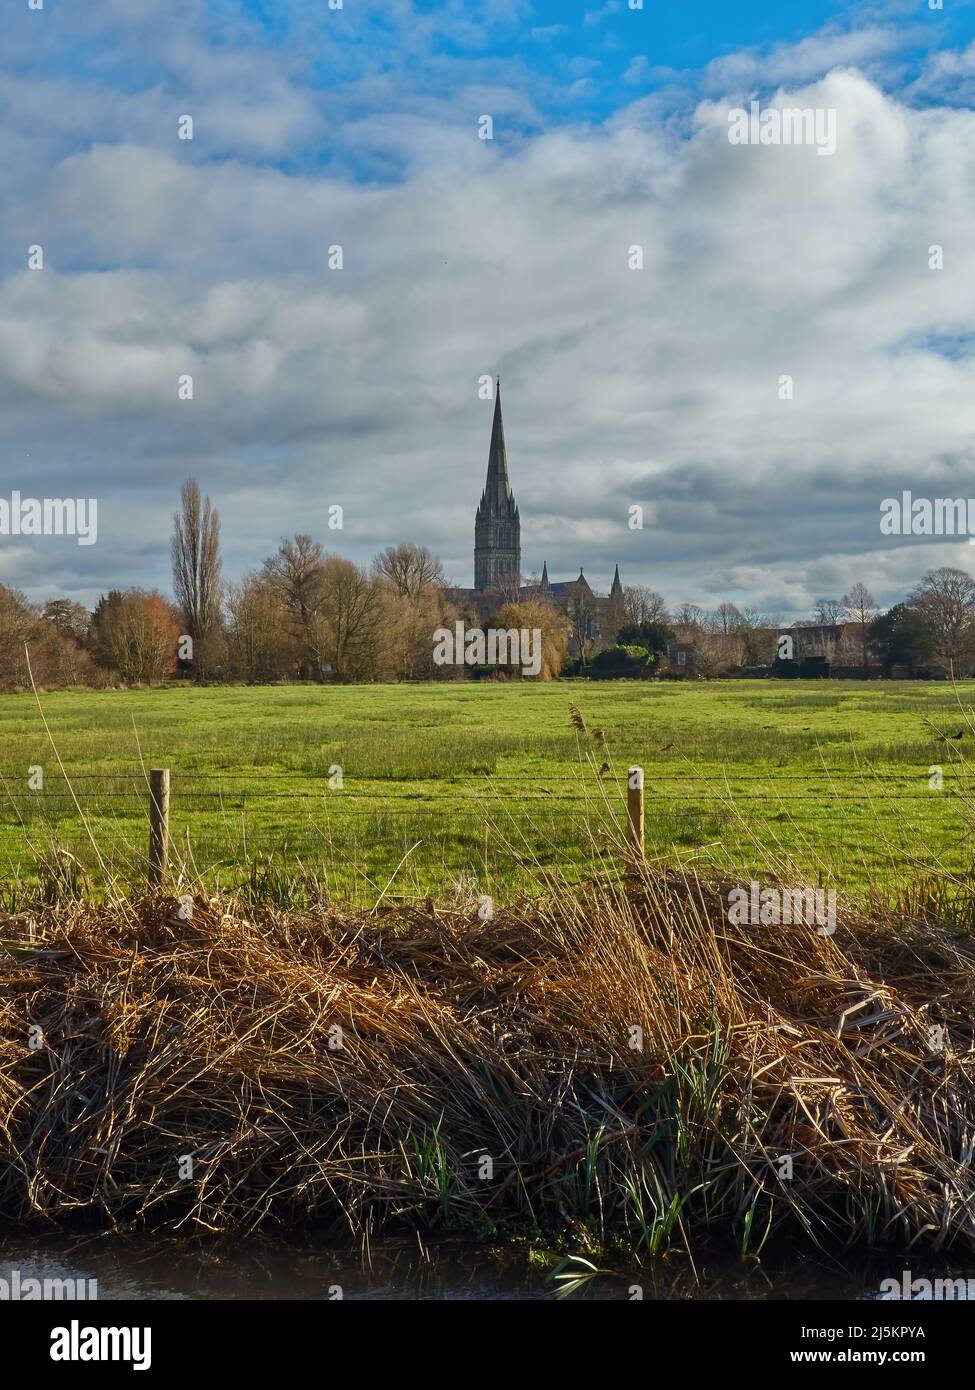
(512, 1039)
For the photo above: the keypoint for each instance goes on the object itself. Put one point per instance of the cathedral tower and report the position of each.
(497, 529)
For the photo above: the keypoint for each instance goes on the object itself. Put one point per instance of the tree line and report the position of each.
(309, 614)
(930, 633)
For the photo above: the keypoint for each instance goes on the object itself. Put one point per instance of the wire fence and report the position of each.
(127, 795)
(341, 827)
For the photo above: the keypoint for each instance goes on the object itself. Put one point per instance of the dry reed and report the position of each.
(511, 1040)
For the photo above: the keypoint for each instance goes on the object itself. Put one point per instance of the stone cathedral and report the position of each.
(497, 546)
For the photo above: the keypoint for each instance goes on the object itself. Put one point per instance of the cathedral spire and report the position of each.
(497, 488)
(497, 527)
(617, 584)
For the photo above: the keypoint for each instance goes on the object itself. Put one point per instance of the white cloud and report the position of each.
(606, 11)
(359, 386)
(807, 59)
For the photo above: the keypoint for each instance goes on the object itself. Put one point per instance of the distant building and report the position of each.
(682, 658)
(497, 555)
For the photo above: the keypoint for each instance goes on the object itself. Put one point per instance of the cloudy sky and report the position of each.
(465, 257)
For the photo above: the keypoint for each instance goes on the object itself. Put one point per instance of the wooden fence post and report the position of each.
(634, 808)
(158, 825)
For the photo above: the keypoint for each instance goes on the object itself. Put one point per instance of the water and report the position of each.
(166, 1268)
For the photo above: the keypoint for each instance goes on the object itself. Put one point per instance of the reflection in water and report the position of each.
(161, 1268)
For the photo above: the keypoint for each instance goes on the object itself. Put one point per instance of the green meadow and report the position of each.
(403, 791)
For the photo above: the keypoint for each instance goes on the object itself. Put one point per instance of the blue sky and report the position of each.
(557, 42)
(464, 258)
(571, 62)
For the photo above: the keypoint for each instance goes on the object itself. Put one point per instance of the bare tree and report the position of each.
(641, 605)
(261, 648)
(410, 569)
(727, 618)
(296, 571)
(346, 630)
(717, 651)
(830, 612)
(18, 627)
(758, 633)
(691, 622)
(861, 606)
(946, 599)
(196, 572)
(689, 619)
(414, 602)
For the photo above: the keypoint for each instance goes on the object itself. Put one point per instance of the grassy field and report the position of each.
(480, 785)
